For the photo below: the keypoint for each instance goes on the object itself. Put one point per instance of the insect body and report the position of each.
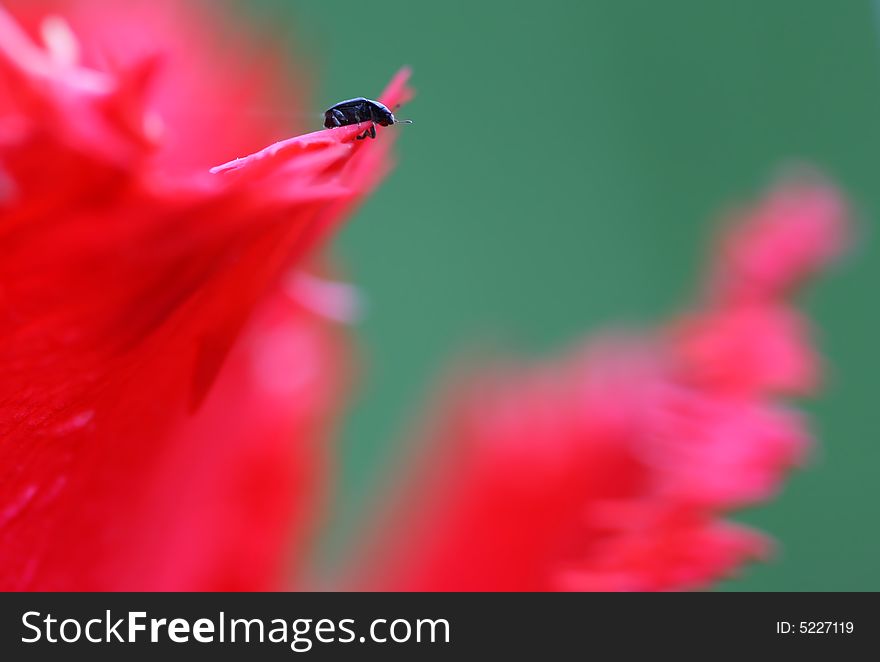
(355, 111)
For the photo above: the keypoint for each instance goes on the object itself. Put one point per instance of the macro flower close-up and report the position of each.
(199, 357)
(153, 325)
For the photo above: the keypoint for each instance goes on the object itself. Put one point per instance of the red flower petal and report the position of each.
(746, 349)
(721, 452)
(650, 547)
(613, 468)
(792, 233)
(161, 407)
(214, 91)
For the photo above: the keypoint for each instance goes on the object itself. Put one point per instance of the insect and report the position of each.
(357, 110)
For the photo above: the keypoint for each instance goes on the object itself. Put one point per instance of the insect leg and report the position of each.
(338, 118)
(372, 130)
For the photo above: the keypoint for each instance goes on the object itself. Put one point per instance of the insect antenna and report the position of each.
(396, 121)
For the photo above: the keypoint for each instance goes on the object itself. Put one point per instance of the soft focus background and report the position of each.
(566, 166)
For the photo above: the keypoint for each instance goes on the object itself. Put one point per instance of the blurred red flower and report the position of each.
(171, 369)
(612, 467)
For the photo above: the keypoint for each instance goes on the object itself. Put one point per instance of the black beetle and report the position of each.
(357, 110)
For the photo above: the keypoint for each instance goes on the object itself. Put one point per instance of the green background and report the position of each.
(566, 167)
